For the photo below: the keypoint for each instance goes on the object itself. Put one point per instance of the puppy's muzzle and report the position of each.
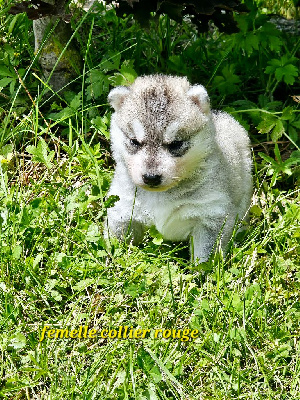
(152, 180)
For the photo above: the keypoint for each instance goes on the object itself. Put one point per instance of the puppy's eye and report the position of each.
(135, 143)
(176, 145)
(177, 148)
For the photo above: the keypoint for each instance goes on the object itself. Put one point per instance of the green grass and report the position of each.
(57, 270)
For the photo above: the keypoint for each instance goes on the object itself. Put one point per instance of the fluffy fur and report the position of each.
(179, 166)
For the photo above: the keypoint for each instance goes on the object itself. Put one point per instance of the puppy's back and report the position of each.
(234, 144)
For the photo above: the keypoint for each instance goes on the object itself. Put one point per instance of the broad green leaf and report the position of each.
(267, 158)
(99, 84)
(157, 237)
(278, 131)
(126, 76)
(288, 114)
(294, 159)
(296, 124)
(277, 153)
(134, 290)
(227, 83)
(93, 233)
(267, 124)
(41, 153)
(111, 200)
(256, 210)
(158, 240)
(286, 73)
(269, 36)
(237, 303)
(283, 69)
(18, 341)
(5, 81)
(37, 259)
(76, 102)
(111, 61)
(56, 295)
(17, 251)
(251, 42)
(101, 124)
(83, 284)
(4, 71)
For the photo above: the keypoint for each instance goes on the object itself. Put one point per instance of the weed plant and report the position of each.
(56, 269)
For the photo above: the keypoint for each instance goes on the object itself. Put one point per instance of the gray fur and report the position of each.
(205, 183)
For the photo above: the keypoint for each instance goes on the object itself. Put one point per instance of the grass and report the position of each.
(57, 270)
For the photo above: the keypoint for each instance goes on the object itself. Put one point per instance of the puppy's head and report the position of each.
(157, 129)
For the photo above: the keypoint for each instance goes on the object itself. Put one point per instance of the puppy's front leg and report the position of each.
(202, 243)
(121, 222)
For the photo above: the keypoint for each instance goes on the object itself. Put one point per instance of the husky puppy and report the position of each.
(179, 165)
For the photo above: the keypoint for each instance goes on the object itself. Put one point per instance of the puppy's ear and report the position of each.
(117, 95)
(199, 96)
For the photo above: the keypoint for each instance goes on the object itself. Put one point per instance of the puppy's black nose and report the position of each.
(152, 180)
